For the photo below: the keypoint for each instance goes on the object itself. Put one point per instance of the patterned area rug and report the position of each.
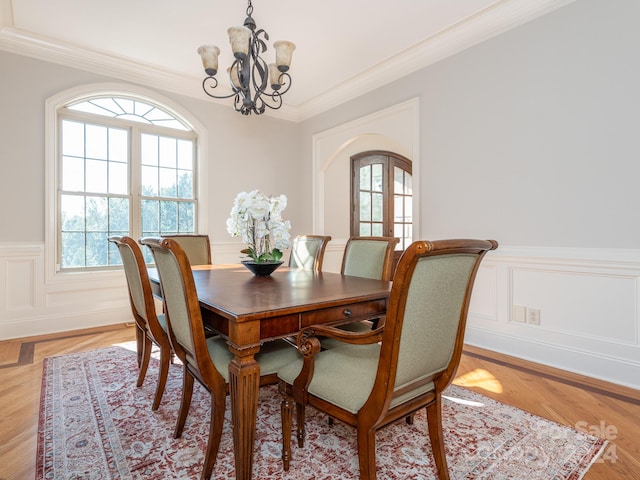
(95, 424)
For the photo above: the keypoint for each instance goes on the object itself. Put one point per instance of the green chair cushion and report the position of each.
(271, 357)
(343, 375)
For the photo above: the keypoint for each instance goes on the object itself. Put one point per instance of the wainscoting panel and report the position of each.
(20, 273)
(586, 299)
(585, 304)
(484, 300)
(575, 309)
(31, 306)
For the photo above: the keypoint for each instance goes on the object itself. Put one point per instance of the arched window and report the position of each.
(124, 166)
(382, 196)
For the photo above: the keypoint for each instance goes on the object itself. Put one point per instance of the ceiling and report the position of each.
(344, 47)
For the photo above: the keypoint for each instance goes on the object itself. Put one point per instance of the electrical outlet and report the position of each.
(533, 316)
(518, 314)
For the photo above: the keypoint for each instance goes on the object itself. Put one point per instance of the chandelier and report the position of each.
(249, 74)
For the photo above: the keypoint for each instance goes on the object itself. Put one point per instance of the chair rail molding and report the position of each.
(584, 303)
(587, 301)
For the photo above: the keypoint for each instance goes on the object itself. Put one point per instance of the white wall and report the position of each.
(242, 154)
(530, 139)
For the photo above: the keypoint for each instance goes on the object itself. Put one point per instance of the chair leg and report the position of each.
(165, 357)
(215, 433)
(140, 335)
(185, 403)
(146, 355)
(367, 453)
(286, 411)
(434, 420)
(300, 424)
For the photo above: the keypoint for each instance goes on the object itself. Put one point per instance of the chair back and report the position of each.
(307, 252)
(140, 295)
(197, 247)
(369, 257)
(426, 316)
(182, 308)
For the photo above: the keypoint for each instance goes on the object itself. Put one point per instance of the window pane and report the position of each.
(73, 174)
(96, 178)
(150, 216)
(109, 105)
(167, 152)
(72, 213)
(97, 214)
(185, 154)
(168, 186)
(185, 184)
(96, 249)
(72, 138)
(365, 229)
(376, 177)
(398, 180)
(408, 231)
(376, 230)
(376, 207)
(149, 185)
(118, 145)
(398, 232)
(408, 209)
(365, 206)
(398, 214)
(168, 218)
(97, 159)
(128, 109)
(149, 149)
(141, 108)
(185, 218)
(365, 178)
(114, 253)
(118, 215)
(72, 249)
(96, 146)
(118, 178)
(408, 187)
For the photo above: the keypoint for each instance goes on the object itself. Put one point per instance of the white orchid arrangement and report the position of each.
(257, 219)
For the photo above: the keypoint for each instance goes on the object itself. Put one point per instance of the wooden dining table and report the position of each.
(249, 310)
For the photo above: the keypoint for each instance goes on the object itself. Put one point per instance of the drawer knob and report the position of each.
(347, 312)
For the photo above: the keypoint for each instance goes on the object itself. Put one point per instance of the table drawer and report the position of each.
(354, 311)
(279, 326)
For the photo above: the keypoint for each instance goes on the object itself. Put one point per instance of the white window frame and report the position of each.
(52, 143)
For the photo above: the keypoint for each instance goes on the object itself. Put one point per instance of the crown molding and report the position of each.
(20, 42)
(482, 26)
(488, 23)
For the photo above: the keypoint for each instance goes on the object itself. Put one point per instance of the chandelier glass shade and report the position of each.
(256, 85)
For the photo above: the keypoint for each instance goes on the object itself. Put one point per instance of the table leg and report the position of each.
(244, 383)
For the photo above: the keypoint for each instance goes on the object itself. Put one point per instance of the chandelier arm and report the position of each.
(204, 87)
(260, 65)
(285, 81)
(249, 74)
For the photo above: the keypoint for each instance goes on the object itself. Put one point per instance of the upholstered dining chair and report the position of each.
(307, 252)
(197, 247)
(204, 359)
(383, 375)
(151, 328)
(369, 257)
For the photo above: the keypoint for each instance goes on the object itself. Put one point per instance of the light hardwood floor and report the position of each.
(603, 409)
